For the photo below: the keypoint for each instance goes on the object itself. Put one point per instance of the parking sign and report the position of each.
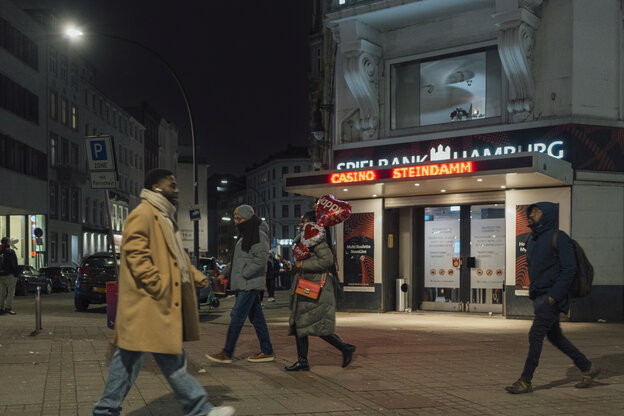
(100, 153)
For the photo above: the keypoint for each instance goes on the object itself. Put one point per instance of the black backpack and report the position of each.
(584, 276)
(3, 263)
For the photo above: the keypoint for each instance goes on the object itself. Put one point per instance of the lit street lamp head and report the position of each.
(73, 32)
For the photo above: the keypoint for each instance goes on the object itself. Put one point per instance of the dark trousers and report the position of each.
(302, 345)
(546, 324)
(270, 285)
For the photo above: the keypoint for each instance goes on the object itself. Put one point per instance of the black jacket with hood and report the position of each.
(549, 272)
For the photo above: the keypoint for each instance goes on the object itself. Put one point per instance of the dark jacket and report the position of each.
(550, 273)
(247, 270)
(10, 260)
(308, 316)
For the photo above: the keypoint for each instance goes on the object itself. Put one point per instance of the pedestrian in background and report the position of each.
(8, 276)
(246, 273)
(156, 308)
(315, 316)
(273, 268)
(551, 274)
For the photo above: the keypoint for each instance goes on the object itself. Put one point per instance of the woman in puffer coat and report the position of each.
(315, 317)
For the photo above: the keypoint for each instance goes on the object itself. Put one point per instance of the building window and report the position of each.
(285, 211)
(64, 204)
(285, 231)
(53, 61)
(63, 68)
(297, 169)
(74, 76)
(95, 204)
(102, 213)
(53, 201)
(458, 87)
(18, 44)
(53, 105)
(64, 247)
(273, 192)
(75, 205)
(53, 148)
(64, 159)
(74, 117)
(284, 170)
(87, 206)
(64, 112)
(75, 153)
(53, 245)
(297, 212)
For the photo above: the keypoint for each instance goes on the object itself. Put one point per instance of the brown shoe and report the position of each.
(220, 357)
(521, 386)
(261, 358)
(588, 377)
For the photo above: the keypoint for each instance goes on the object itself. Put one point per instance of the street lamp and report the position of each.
(73, 32)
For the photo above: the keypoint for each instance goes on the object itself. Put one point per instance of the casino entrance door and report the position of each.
(463, 257)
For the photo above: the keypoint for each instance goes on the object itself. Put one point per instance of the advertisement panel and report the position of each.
(359, 249)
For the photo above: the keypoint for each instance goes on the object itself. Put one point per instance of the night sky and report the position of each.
(244, 64)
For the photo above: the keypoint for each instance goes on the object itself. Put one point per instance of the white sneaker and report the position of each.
(222, 411)
(271, 300)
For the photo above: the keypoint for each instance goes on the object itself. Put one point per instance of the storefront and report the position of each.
(448, 217)
(27, 235)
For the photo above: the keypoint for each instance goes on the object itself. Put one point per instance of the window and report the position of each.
(74, 117)
(458, 87)
(53, 148)
(95, 205)
(64, 204)
(284, 211)
(53, 243)
(53, 105)
(18, 44)
(87, 206)
(64, 112)
(273, 210)
(284, 170)
(86, 132)
(75, 205)
(273, 192)
(53, 201)
(102, 213)
(297, 169)
(86, 97)
(53, 61)
(75, 152)
(64, 160)
(63, 68)
(64, 247)
(285, 231)
(74, 76)
(297, 212)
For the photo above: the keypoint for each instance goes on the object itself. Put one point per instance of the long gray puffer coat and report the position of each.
(308, 316)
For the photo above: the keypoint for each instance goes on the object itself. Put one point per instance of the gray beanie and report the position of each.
(245, 211)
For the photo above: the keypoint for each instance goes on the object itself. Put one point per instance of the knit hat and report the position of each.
(245, 211)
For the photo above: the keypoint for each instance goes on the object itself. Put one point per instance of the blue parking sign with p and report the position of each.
(98, 150)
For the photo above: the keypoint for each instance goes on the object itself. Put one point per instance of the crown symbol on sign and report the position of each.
(443, 153)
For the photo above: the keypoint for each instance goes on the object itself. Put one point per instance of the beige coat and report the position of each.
(149, 309)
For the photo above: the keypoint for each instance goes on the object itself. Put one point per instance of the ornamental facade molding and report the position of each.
(517, 22)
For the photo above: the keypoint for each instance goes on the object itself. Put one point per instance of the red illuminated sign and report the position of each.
(350, 177)
(432, 170)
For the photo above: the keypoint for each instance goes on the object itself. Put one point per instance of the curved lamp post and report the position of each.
(73, 33)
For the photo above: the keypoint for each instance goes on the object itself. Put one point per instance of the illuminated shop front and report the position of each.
(28, 237)
(448, 217)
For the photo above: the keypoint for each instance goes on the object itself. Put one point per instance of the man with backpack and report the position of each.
(8, 276)
(552, 267)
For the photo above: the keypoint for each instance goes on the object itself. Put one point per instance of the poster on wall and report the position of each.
(522, 233)
(359, 249)
(441, 237)
(488, 246)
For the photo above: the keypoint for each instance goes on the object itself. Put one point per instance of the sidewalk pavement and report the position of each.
(419, 363)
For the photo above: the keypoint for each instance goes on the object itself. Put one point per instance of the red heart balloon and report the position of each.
(301, 251)
(312, 234)
(331, 211)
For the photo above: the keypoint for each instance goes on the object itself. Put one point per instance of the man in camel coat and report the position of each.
(157, 307)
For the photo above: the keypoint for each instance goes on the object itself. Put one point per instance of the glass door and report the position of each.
(464, 258)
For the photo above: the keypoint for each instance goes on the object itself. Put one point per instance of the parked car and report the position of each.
(28, 279)
(63, 277)
(94, 271)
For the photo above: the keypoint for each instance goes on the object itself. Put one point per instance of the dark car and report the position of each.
(94, 271)
(28, 279)
(63, 277)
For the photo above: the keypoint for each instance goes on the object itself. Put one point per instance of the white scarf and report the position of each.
(167, 212)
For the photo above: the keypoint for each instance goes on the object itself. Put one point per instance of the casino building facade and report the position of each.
(444, 120)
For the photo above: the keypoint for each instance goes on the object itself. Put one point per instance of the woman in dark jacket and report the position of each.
(315, 317)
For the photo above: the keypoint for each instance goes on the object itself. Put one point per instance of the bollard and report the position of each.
(37, 312)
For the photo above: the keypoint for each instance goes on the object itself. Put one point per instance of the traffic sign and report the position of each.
(103, 180)
(195, 214)
(100, 153)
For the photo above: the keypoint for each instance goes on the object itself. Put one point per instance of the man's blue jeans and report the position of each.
(546, 324)
(124, 369)
(248, 304)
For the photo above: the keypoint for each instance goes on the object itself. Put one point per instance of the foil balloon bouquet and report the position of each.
(329, 211)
